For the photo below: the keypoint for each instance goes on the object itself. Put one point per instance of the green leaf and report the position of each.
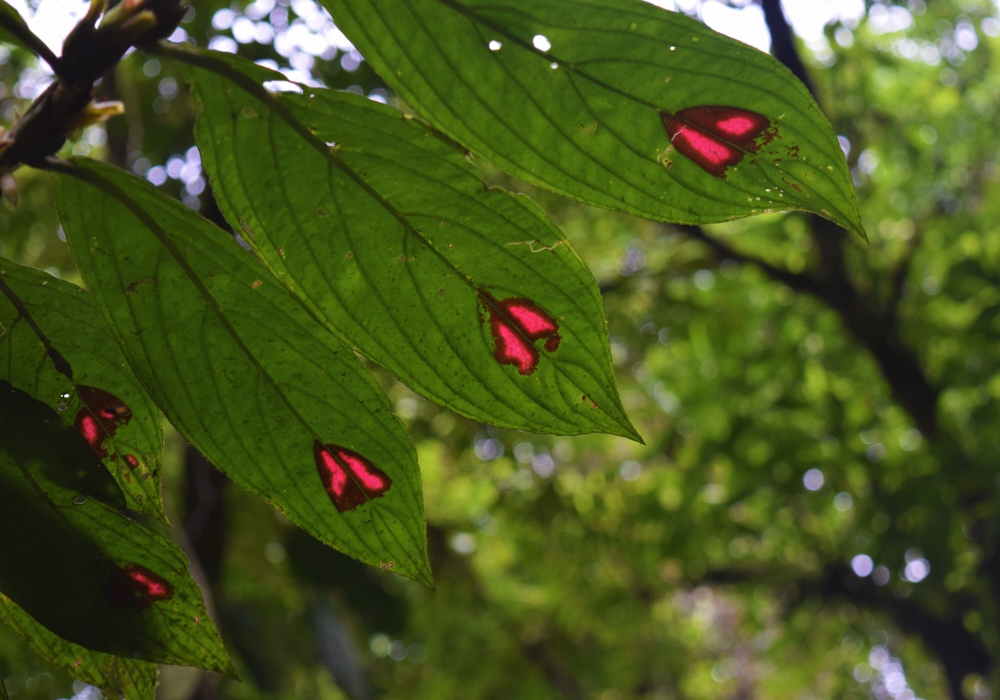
(74, 561)
(584, 109)
(103, 399)
(117, 677)
(14, 30)
(241, 369)
(391, 237)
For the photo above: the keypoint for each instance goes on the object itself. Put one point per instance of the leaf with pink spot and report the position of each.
(580, 114)
(104, 401)
(715, 137)
(515, 325)
(76, 563)
(296, 417)
(408, 251)
(116, 676)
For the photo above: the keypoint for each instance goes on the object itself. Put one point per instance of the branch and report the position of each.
(860, 314)
(89, 52)
(867, 323)
(783, 43)
(797, 281)
(960, 651)
(555, 673)
(898, 281)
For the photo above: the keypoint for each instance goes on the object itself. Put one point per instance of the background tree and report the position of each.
(815, 509)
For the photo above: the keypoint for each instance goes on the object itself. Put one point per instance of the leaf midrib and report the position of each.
(114, 191)
(203, 60)
(549, 57)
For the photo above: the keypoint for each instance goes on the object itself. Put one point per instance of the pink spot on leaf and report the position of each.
(349, 479)
(148, 583)
(92, 432)
(533, 320)
(717, 137)
(137, 587)
(512, 348)
(100, 418)
(132, 461)
(515, 325)
(736, 126)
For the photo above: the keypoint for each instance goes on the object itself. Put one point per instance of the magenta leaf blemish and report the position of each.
(716, 137)
(515, 325)
(350, 479)
(137, 587)
(91, 431)
(100, 418)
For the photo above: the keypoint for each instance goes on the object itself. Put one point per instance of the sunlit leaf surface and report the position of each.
(244, 372)
(469, 295)
(596, 100)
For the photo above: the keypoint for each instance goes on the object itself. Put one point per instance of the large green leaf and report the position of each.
(117, 677)
(242, 370)
(73, 561)
(392, 238)
(584, 96)
(103, 401)
(14, 30)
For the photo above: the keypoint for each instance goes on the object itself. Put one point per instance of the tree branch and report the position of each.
(555, 673)
(88, 52)
(783, 42)
(960, 651)
(861, 315)
(898, 282)
(867, 322)
(797, 281)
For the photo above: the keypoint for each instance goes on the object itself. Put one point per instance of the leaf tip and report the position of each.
(228, 669)
(623, 428)
(421, 573)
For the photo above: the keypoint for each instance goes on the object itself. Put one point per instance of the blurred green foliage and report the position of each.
(715, 561)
